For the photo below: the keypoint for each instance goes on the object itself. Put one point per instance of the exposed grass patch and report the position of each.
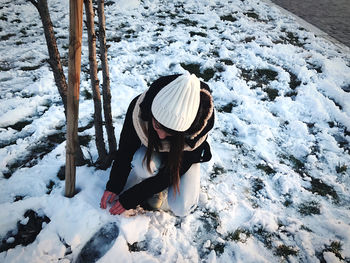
(23, 31)
(293, 84)
(109, 3)
(342, 141)
(252, 14)
(227, 62)
(294, 81)
(331, 124)
(87, 126)
(30, 68)
(309, 208)
(249, 39)
(227, 108)
(18, 198)
(206, 74)
(130, 31)
(272, 94)
(50, 187)
(4, 66)
(266, 168)
(263, 236)
(210, 219)
(341, 168)
(240, 235)
(24, 234)
(287, 200)
(18, 126)
(36, 152)
(297, 165)
(315, 67)
(3, 17)
(303, 227)
(86, 94)
(229, 18)
(257, 185)
(192, 34)
(311, 127)
(218, 247)
(85, 140)
(257, 192)
(187, 22)
(7, 37)
(115, 39)
(61, 174)
(192, 68)
(138, 246)
(346, 88)
(285, 251)
(217, 170)
(293, 39)
(16, 20)
(321, 188)
(230, 138)
(247, 74)
(57, 138)
(336, 103)
(266, 74)
(335, 247)
(291, 94)
(261, 77)
(290, 38)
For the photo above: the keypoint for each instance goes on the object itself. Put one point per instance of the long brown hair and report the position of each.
(173, 163)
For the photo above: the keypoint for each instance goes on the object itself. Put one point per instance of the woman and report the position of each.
(162, 142)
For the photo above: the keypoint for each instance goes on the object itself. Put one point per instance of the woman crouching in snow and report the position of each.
(162, 143)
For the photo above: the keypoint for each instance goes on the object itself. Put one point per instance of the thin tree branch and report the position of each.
(35, 3)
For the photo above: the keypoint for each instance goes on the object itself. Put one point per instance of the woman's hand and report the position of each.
(110, 197)
(107, 196)
(117, 209)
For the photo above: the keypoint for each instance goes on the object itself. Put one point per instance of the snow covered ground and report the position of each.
(277, 188)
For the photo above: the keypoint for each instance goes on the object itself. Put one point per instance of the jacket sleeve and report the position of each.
(129, 142)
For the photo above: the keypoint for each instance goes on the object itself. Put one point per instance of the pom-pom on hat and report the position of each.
(176, 105)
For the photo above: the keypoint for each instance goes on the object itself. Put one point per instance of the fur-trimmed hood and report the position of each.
(199, 129)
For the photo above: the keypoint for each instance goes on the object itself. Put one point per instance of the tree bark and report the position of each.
(54, 56)
(95, 85)
(74, 66)
(106, 91)
(55, 63)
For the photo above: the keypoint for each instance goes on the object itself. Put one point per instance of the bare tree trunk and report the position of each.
(54, 60)
(55, 63)
(100, 144)
(106, 91)
(74, 66)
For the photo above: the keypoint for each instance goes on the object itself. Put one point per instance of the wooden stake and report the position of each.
(74, 65)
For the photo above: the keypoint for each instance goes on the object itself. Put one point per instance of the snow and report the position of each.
(277, 187)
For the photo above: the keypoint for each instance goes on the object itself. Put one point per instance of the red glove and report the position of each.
(107, 196)
(110, 197)
(117, 209)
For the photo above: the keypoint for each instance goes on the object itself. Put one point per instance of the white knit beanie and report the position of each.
(176, 105)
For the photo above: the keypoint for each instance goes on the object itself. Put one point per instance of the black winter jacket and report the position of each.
(130, 142)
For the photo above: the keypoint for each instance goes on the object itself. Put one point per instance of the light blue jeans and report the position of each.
(180, 204)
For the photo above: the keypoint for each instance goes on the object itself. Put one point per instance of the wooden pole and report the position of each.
(74, 65)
